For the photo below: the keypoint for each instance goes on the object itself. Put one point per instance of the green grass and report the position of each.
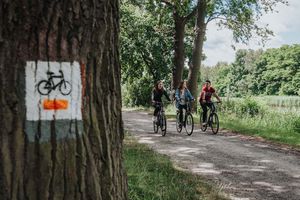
(262, 128)
(151, 176)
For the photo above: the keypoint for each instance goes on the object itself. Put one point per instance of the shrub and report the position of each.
(138, 92)
(249, 107)
(296, 125)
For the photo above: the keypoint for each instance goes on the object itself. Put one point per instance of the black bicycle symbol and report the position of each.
(46, 86)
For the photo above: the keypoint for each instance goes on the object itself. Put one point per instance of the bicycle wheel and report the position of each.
(189, 124)
(203, 128)
(65, 88)
(178, 125)
(44, 87)
(214, 123)
(163, 125)
(155, 126)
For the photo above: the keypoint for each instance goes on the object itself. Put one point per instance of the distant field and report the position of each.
(277, 101)
(282, 101)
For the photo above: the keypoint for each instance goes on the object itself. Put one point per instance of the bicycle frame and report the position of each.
(187, 110)
(161, 109)
(212, 110)
(188, 107)
(50, 79)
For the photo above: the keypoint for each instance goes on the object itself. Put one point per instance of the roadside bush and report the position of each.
(249, 107)
(138, 92)
(296, 125)
(228, 106)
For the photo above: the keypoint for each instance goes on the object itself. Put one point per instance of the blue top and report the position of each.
(187, 97)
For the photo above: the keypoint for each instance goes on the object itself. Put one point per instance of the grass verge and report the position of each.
(152, 176)
(254, 128)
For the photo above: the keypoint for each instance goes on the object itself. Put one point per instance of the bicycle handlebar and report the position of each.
(215, 102)
(187, 100)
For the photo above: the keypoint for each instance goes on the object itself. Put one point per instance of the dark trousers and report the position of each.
(180, 108)
(156, 109)
(205, 107)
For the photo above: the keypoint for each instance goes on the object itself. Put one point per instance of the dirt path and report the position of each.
(244, 169)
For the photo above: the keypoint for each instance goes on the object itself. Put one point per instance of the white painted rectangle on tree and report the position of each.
(53, 90)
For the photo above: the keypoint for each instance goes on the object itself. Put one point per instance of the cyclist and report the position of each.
(182, 96)
(205, 99)
(157, 93)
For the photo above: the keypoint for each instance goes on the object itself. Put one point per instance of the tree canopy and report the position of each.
(272, 72)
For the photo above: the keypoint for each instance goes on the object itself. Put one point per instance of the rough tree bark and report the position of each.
(200, 30)
(88, 166)
(179, 53)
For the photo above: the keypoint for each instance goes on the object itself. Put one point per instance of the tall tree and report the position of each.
(183, 11)
(60, 158)
(240, 16)
(200, 30)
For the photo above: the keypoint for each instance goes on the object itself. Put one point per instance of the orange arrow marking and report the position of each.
(56, 104)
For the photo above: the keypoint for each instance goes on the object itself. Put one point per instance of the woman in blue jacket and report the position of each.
(182, 96)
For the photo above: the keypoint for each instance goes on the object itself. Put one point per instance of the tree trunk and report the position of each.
(200, 30)
(71, 147)
(179, 55)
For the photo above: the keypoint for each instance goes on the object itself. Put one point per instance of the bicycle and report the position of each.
(46, 86)
(188, 122)
(161, 120)
(212, 119)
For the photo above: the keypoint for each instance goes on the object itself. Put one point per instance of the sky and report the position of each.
(285, 24)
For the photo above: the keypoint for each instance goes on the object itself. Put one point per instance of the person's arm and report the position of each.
(203, 97)
(215, 95)
(199, 97)
(190, 96)
(152, 96)
(167, 95)
(177, 95)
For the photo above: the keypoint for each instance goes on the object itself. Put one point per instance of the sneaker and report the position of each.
(204, 124)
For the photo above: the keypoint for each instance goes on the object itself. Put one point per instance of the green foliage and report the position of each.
(249, 107)
(296, 125)
(280, 124)
(243, 107)
(273, 126)
(146, 43)
(270, 72)
(138, 92)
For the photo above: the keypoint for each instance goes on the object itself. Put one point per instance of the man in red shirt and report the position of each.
(205, 99)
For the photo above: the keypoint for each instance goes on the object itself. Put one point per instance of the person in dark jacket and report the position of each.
(157, 93)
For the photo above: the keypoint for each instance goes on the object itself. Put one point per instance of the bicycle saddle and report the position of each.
(50, 73)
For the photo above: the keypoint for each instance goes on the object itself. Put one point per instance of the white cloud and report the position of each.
(285, 24)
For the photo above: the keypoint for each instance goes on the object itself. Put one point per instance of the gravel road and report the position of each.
(244, 169)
